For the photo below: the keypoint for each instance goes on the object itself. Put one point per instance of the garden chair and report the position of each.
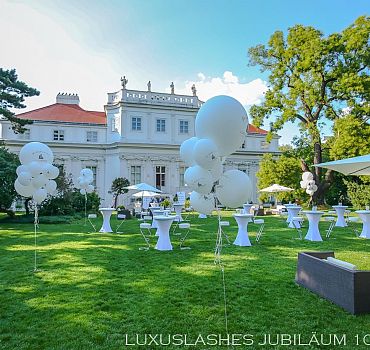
(184, 226)
(298, 223)
(222, 224)
(146, 226)
(331, 220)
(351, 224)
(122, 218)
(261, 223)
(92, 217)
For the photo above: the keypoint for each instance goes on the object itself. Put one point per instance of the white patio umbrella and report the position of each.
(145, 194)
(143, 187)
(276, 188)
(350, 166)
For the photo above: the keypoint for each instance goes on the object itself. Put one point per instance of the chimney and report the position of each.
(68, 99)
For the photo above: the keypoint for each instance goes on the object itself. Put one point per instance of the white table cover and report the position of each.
(365, 217)
(340, 209)
(163, 231)
(292, 212)
(106, 212)
(242, 239)
(247, 208)
(313, 217)
(178, 208)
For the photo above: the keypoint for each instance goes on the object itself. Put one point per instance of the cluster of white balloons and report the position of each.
(220, 128)
(84, 181)
(36, 172)
(308, 183)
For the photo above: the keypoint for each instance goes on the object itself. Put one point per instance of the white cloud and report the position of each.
(229, 84)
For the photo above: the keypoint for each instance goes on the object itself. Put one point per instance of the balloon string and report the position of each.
(218, 261)
(85, 209)
(36, 225)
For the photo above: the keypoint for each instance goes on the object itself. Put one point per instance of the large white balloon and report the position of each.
(198, 179)
(51, 186)
(87, 173)
(223, 120)
(22, 169)
(51, 171)
(36, 168)
(90, 189)
(202, 203)
(234, 189)
(39, 181)
(205, 153)
(217, 170)
(82, 191)
(25, 191)
(25, 178)
(40, 195)
(35, 151)
(303, 184)
(186, 151)
(307, 176)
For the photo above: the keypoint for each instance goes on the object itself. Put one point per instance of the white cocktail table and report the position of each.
(293, 211)
(178, 208)
(163, 231)
(340, 209)
(106, 212)
(313, 217)
(365, 217)
(247, 207)
(289, 217)
(242, 238)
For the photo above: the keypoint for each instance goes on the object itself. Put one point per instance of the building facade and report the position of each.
(137, 137)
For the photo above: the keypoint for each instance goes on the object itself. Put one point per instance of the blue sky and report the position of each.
(85, 47)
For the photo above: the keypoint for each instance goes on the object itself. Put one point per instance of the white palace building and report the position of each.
(137, 137)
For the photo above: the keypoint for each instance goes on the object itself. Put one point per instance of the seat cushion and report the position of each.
(259, 221)
(145, 225)
(184, 225)
(224, 223)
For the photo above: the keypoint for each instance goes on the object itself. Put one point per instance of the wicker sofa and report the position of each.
(347, 288)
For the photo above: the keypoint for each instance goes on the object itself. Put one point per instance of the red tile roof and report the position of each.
(75, 114)
(66, 113)
(254, 130)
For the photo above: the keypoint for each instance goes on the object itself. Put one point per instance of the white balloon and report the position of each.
(25, 191)
(205, 153)
(87, 173)
(202, 203)
(186, 151)
(36, 168)
(51, 186)
(307, 176)
(310, 192)
(224, 120)
(25, 178)
(51, 171)
(303, 184)
(35, 151)
(39, 181)
(83, 184)
(198, 179)
(40, 195)
(234, 189)
(217, 170)
(82, 191)
(90, 189)
(22, 169)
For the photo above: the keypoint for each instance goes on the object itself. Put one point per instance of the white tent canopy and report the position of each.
(145, 194)
(143, 187)
(350, 166)
(275, 188)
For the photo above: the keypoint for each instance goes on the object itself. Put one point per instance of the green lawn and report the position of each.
(96, 288)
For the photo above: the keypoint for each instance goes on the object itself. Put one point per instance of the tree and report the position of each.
(284, 171)
(311, 79)
(12, 94)
(8, 165)
(118, 187)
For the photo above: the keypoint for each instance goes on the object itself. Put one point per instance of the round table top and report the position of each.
(178, 204)
(294, 207)
(362, 211)
(313, 212)
(243, 215)
(107, 209)
(290, 205)
(340, 206)
(164, 217)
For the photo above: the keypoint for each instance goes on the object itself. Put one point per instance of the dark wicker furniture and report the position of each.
(347, 288)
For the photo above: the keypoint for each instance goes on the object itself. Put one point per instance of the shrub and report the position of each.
(359, 194)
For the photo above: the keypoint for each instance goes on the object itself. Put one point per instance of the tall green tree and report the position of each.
(12, 94)
(118, 187)
(8, 166)
(311, 79)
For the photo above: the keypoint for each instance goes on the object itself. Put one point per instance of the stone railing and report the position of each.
(155, 98)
